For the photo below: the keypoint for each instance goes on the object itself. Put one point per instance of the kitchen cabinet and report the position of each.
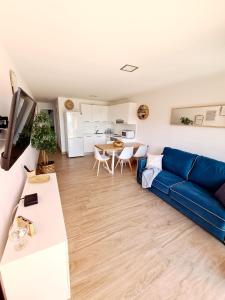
(101, 113)
(94, 113)
(91, 140)
(99, 139)
(113, 113)
(87, 112)
(88, 143)
(104, 113)
(123, 111)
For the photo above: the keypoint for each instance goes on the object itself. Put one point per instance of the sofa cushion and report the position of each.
(164, 180)
(178, 162)
(208, 173)
(201, 202)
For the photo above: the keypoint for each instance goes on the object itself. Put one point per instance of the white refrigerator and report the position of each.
(74, 134)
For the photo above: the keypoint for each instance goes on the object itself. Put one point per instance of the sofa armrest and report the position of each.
(140, 168)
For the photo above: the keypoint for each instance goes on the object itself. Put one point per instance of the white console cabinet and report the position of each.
(40, 271)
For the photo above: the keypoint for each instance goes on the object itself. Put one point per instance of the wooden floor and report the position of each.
(126, 243)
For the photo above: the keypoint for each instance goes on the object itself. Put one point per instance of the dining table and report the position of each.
(113, 150)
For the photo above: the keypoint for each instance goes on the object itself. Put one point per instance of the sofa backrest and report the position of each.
(178, 162)
(208, 173)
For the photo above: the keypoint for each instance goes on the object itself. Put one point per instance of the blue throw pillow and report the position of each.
(220, 194)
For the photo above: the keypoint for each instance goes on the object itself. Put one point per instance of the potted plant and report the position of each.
(43, 138)
(186, 121)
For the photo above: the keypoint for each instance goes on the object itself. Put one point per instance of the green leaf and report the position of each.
(43, 137)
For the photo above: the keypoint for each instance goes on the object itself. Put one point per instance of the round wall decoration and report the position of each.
(143, 112)
(69, 104)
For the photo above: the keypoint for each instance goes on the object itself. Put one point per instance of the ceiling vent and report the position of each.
(129, 68)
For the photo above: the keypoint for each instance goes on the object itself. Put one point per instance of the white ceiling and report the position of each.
(76, 48)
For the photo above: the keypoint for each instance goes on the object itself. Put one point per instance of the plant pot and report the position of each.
(49, 168)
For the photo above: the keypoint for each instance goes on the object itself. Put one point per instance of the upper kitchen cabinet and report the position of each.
(100, 113)
(94, 113)
(125, 112)
(87, 112)
(105, 113)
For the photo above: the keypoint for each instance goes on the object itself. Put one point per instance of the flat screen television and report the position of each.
(20, 127)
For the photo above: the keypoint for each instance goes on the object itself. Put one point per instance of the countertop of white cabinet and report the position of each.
(48, 220)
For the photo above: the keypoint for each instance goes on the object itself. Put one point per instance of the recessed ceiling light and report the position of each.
(129, 68)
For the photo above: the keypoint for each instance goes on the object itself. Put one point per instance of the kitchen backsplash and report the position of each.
(117, 128)
(92, 127)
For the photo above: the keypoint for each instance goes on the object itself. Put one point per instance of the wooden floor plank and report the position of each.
(126, 243)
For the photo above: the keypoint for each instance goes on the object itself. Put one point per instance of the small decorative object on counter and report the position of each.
(39, 178)
(33, 178)
(18, 235)
(143, 112)
(30, 199)
(118, 143)
(25, 223)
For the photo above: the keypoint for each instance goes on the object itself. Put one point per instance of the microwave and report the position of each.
(128, 134)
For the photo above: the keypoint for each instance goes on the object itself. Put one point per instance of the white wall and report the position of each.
(12, 181)
(60, 118)
(157, 131)
(45, 105)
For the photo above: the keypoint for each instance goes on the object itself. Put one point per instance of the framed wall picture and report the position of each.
(210, 115)
(199, 120)
(205, 116)
(222, 110)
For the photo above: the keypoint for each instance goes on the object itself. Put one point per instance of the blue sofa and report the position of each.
(188, 183)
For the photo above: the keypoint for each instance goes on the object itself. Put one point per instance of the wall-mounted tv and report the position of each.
(19, 129)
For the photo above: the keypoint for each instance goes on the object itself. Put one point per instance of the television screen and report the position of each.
(20, 128)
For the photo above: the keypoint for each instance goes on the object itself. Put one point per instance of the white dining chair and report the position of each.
(125, 157)
(101, 158)
(141, 151)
